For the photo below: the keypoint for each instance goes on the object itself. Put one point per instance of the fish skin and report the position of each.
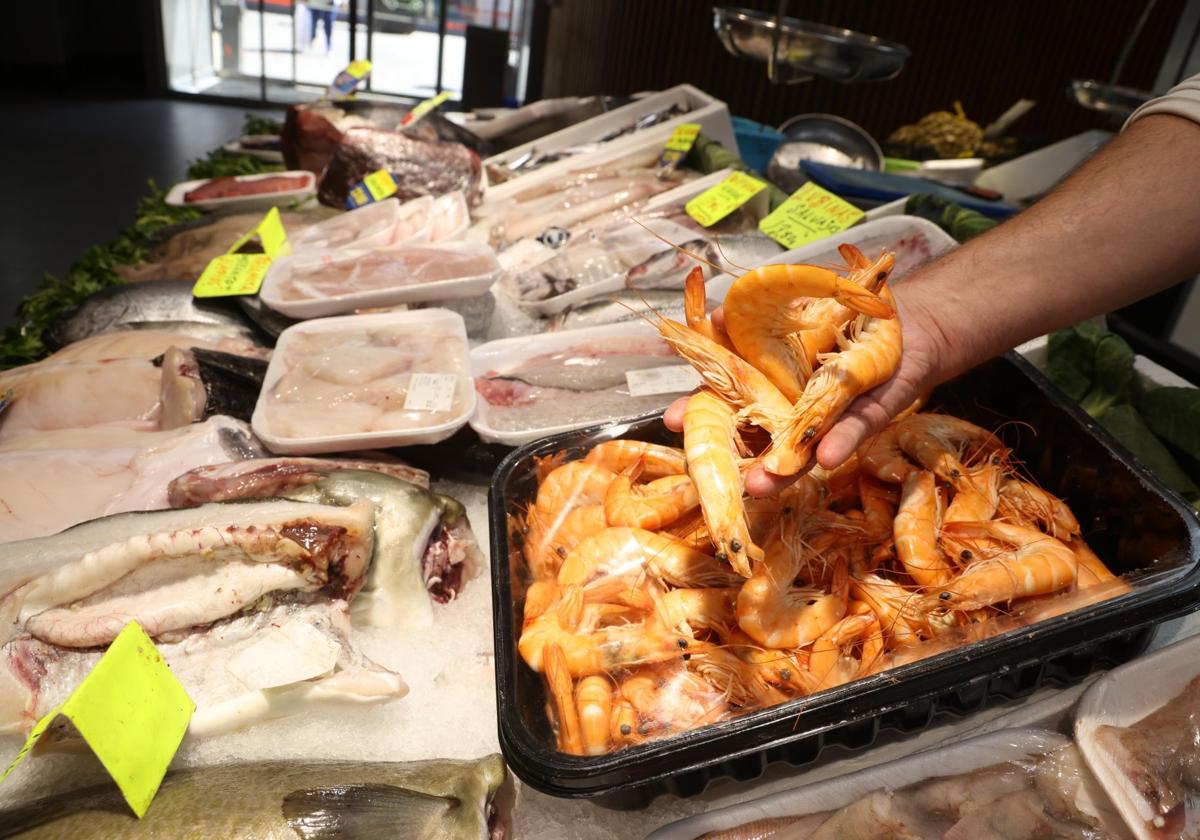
(286, 801)
(268, 477)
(601, 373)
(158, 302)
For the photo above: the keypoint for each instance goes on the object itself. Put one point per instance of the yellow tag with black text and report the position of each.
(345, 82)
(132, 712)
(717, 202)
(809, 214)
(232, 274)
(270, 233)
(679, 144)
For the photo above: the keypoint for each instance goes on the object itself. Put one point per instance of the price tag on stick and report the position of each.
(717, 202)
(809, 214)
(345, 83)
(422, 108)
(375, 187)
(133, 713)
(678, 144)
(242, 274)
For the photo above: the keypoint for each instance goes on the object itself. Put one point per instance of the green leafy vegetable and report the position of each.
(959, 222)
(221, 163)
(1127, 426)
(1113, 377)
(1071, 361)
(95, 270)
(254, 124)
(1174, 415)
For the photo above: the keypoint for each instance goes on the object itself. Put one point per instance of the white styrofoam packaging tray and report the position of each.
(351, 325)
(454, 288)
(506, 353)
(556, 304)
(712, 115)
(1152, 374)
(237, 147)
(264, 201)
(371, 226)
(915, 242)
(832, 794)
(1124, 696)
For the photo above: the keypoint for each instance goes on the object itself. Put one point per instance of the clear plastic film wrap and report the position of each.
(1016, 785)
(358, 380)
(371, 226)
(659, 593)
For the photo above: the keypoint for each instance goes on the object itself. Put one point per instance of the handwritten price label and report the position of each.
(232, 274)
(270, 233)
(375, 187)
(679, 144)
(715, 203)
(809, 214)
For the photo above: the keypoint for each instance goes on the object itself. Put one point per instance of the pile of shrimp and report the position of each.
(643, 624)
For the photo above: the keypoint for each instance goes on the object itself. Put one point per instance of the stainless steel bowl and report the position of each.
(823, 138)
(796, 50)
(1108, 99)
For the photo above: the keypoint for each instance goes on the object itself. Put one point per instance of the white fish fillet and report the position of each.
(53, 480)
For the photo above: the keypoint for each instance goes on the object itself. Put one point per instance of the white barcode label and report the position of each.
(430, 392)
(671, 379)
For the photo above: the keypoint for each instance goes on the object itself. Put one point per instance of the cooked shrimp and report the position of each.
(1036, 564)
(882, 457)
(710, 441)
(978, 495)
(878, 506)
(867, 358)
(572, 485)
(619, 559)
(744, 684)
(830, 662)
(652, 506)
(558, 678)
(784, 669)
(896, 608)
(1091, 568)
(539, 597)
(593, 704)
(685, 610)
(939, 443)
(916, 531)
(778, 615)
(658, 461)
(695, 309)
(663, 700)
(1027, 502)
(593, 649)
(738, 382)
(547, 545)
(765, 306)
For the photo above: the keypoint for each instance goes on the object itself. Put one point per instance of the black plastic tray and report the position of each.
(1132, 521)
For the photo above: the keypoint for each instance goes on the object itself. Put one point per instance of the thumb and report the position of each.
(866, 416)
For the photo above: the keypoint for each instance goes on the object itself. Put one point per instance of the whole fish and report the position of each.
(423, 800)
(154, 304)
(595, 365)
(734, 254)
(268, 477)
(198, 384)
(621, 307)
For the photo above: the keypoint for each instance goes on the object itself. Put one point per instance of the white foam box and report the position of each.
(712, 115)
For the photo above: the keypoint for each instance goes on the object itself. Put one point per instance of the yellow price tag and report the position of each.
(682, 138)
(132, 712)
(358, 69)
(380, 184)
(717, 202)
(270, 233)
(809, 214)
(424, 108)
(345, 82)
(232, 274)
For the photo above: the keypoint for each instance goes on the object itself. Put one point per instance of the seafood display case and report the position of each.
(1140, 529)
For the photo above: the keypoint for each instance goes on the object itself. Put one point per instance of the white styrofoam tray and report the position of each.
(506, 353)
(963, 757)
(556, 304)
(246, 202)
(915, 242)
(455, 288)
(454, 326)
(370, 226)
(236, 147)
(712, 115)
(1124, 696)
(1152, 374)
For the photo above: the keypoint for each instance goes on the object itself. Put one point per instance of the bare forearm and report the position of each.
(1126, 225)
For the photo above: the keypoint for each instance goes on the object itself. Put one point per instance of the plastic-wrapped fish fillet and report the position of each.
(583, 383)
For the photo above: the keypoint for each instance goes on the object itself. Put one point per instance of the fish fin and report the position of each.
(360, 812)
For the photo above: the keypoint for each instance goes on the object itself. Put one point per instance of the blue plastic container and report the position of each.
(756, 142)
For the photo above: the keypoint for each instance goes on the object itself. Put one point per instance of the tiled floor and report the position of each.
(77, 169)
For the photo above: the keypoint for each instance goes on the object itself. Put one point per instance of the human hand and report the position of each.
(923, 364)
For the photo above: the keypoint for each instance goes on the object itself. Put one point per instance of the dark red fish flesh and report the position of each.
(230, 187)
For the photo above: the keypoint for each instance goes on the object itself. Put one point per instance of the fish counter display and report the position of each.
(285, 491)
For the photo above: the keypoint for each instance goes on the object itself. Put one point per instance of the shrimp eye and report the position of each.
(966, 554)
(722, 556)
(785, 675)
(560, 551)
(682, 643)
(810, 433)
(882, 275)
(735, 545)
(955, 473)
(626, 728)
(687, 657)
(945, 596)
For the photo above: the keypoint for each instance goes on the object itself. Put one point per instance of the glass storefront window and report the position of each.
(289, 50)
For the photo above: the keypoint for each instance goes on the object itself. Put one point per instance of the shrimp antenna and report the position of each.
(721, 251)
(679, 248)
